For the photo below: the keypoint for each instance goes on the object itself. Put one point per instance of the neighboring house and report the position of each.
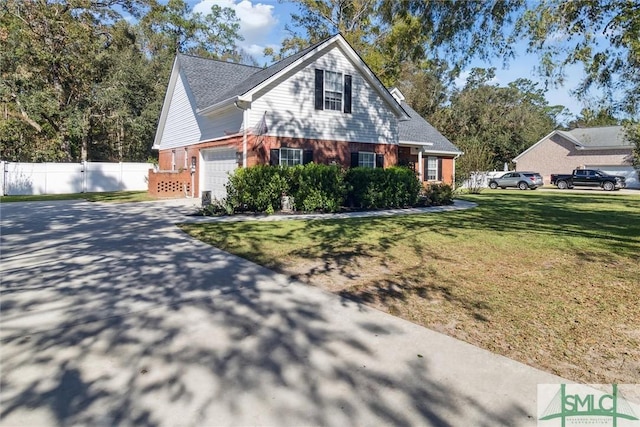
(603, 148)
(322, 104)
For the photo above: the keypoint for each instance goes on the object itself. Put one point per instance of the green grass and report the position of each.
(112, 196)
(552, 280)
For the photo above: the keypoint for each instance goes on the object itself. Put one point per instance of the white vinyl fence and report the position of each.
(481, 179)
(62, 178)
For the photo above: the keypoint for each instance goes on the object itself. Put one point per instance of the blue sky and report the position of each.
(262, 25)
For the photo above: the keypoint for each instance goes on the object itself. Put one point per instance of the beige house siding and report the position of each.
(556, 155)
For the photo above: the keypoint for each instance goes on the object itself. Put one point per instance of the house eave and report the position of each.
(353, 56)
(615, 147)
(446, 153)
(225, 103)
(173, 78)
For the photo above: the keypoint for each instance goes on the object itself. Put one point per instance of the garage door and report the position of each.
(217, 163)
(628, 172)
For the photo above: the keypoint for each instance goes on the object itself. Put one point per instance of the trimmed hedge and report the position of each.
(314, 187)
(436, 195)
(318, 187)
(394, 187)
(325, 188)
(258, 188)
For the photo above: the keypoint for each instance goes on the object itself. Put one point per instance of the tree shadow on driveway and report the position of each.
(112, 316)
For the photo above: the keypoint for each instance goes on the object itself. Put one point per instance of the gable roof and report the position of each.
(599, 137)
(596, 138)
(214, 83)
(418, 130)
(207, 78)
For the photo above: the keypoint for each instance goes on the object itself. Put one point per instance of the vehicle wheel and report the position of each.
(608, 186)
(523, 185)
(562, 185)
(493, 185)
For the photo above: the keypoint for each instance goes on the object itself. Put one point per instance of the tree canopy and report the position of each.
(85, 79)
(79, 81)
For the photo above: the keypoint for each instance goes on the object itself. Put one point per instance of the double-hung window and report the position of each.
(432, 168)
(332, 91)
(366, 159)
(290, 156)
(285, 156)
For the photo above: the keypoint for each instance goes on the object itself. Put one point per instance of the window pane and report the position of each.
(366, 160)
(290, 156)
(432, 168)
(332, 91)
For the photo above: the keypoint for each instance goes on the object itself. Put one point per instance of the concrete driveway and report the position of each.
(112, 316)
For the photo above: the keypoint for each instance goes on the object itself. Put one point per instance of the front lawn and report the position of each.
(109, 196)
(551, 280)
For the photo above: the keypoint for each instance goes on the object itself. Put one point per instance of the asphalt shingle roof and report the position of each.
(212, 81)
(605, 137)
(208, 78)
(417, 129)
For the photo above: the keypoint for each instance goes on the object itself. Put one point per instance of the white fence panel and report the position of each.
(481, 179)
(135, 176)
(62, 178)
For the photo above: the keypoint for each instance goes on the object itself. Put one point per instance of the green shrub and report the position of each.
(258, 188)
(318, 187)
(437, 195)
(381, 188)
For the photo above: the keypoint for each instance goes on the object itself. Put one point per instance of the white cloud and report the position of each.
(256, 21)
(461, 80)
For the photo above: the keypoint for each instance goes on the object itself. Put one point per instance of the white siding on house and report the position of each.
(224, 122)
(290, 107)
(183, 127)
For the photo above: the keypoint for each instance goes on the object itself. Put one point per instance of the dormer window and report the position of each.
(333, 91)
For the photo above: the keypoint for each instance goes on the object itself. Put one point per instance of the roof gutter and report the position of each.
(217, 105)
(449, 153)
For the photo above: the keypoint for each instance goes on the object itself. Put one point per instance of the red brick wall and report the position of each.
(324, 151)
(168, 184)
(447, 170)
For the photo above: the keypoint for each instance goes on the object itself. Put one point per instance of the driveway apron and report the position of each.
(112, 316)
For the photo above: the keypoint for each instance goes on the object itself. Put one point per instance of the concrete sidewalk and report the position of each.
(112, 316)
(194, 204)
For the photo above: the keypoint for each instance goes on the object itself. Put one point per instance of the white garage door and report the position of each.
(628, 172)
(217, 163)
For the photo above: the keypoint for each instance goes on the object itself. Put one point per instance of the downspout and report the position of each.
(245, 122)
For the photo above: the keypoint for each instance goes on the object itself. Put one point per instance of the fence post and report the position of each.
(5, 169)
(121, 181)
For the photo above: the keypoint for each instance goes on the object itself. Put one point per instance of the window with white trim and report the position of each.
(333, 91)
(366, 159)
(173, 160)
(186, 158)
(432, 168)
(290, 156)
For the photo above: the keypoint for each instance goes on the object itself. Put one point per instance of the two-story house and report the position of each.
(320, 105)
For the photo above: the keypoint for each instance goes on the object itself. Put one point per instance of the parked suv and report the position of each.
(521, 180)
